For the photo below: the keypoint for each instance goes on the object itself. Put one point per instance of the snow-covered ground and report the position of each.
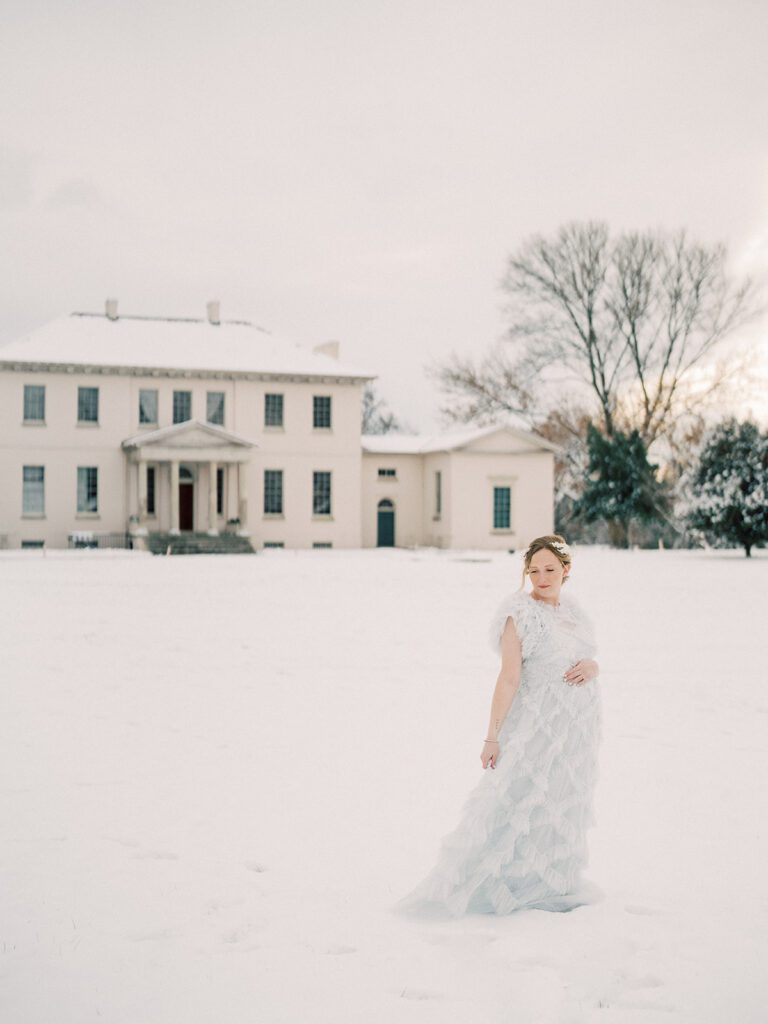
(218, 773)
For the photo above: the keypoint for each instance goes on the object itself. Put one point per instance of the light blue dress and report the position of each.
(521, 839)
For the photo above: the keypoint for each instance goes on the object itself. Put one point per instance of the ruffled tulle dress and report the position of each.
(521, 839)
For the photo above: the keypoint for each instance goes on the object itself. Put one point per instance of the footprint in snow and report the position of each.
(647, 981)
(122, 842)
(419, 994)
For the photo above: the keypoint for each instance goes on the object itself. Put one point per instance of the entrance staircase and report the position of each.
(198, 544)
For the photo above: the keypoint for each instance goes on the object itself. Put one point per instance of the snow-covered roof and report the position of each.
(458, 437)
(171, 344)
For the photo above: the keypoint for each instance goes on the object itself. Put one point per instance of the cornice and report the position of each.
(21, 366)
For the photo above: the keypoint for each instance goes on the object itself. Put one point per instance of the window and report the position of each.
(34, 403)
(321, 411)
(438, 493)
(501, 508)
(33, 494)
(148, 405)
(273, 410)
(87, 489)
(387, 473)
(87, 405)
(274, 544)
(322, 544)
(182, 406)
(32, 544)
(219, 490)
(150, 490)
(321, 493)
(214, 412)
(273, 491)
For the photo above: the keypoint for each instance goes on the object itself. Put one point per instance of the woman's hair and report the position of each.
(552, 542)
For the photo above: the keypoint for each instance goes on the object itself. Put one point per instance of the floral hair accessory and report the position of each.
(558, 545)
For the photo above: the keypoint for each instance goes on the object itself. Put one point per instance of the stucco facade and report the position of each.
(133, 425)
(494, 490)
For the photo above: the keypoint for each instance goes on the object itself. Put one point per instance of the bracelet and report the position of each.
(490, 741)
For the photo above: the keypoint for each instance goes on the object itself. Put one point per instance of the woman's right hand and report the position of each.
(490, 753)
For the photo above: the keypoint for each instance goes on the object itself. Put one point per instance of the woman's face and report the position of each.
(547, 574)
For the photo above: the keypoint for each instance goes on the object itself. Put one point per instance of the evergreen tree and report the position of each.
(729, 486)
(621, 484)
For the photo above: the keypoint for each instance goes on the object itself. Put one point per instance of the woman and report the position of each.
(520, 843)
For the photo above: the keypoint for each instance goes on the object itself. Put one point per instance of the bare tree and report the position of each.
(376, 417)
(627, 322)
(671, 304)
(566, 426)
(478, 394)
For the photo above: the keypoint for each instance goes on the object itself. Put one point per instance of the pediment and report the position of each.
(188, 436)
(195, 437)
(506, 441)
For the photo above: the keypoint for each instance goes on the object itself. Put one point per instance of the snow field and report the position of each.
(219, 772)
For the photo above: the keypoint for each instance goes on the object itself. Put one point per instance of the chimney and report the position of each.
(110, 307)
(328, 348)
(214, 312)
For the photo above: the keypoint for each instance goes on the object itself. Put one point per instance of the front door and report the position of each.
(186, 505)
(385, 532)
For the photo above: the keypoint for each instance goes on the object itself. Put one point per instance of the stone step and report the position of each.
(198, 544)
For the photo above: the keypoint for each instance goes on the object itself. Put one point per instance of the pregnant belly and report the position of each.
(550, 672)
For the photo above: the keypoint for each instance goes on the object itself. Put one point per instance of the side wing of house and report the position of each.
(501, 491)
(490, 488)
(392, 506)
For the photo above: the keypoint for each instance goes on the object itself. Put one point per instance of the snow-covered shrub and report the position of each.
(727, 500)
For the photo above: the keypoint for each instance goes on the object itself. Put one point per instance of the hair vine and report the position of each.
(551, 542)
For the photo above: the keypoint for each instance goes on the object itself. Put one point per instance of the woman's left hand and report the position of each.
(581, 672)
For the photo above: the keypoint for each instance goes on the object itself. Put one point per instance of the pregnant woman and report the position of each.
(521, 839)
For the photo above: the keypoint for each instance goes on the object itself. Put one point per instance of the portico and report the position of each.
(166, 469)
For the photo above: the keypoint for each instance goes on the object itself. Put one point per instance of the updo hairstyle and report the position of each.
(552, 542)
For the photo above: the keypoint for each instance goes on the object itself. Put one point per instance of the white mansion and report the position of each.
(117, 426)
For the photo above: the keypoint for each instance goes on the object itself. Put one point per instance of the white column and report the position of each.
(242, 491)
(142, 487)
(174, 497)
(133, 498)
(212, 530)
(230, 490)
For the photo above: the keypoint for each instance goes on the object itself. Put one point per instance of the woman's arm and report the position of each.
(507, 685)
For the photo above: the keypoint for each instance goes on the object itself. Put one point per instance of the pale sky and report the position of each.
(360, 171)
